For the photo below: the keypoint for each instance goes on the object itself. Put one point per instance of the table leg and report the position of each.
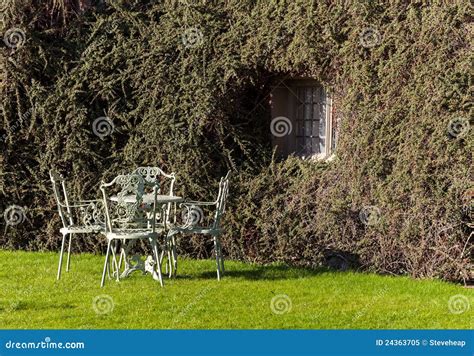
(132, 263)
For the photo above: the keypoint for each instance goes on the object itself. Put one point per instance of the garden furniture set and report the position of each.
(138, 206)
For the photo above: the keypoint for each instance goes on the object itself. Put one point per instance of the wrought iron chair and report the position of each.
(165, 182)
(194, 217)
(154, 175)
(78, 217)
(129, 217)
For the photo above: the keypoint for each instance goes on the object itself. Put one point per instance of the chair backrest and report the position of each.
(126, 209)
(61, 197)
(153, 175)
(221, 199)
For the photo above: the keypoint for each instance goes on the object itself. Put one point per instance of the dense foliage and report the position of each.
(185, 85)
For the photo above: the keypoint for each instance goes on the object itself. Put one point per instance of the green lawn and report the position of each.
(30, 297)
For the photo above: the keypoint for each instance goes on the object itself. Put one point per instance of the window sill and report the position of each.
(320, 157)
(331, 157)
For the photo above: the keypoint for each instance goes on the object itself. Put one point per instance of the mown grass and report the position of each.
(30, 297)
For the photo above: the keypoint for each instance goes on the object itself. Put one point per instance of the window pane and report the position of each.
(301, 95)
(316, 94)
(322, 145)
(315, 145)
(322, 136)
(308, 129)
(323, 111)
(307, 112)
(322, 128)
(300, 128)
(315, 132)
(308, 95)
(315, 112)
(310, 120)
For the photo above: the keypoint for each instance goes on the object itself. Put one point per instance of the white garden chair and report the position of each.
(130, 215)
(165, 183)
(193, 224)
(78, 217)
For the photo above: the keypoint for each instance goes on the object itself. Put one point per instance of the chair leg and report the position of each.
(109, 276)
(114, 262)
(221, 258)
(105, 263)
(169, 262)
(216, 249)
(109, 266)
(162, 255)
(175, 255)
(68, 253)
(122, 254)
(172, 255)
(61, 257)
(156, 254)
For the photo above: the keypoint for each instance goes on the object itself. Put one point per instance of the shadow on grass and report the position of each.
(335, 261)
(22, 305)
(271, 272)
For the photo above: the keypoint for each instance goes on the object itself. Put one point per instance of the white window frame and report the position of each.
(287, 145)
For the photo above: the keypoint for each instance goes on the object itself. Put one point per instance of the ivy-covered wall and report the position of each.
(183, 85)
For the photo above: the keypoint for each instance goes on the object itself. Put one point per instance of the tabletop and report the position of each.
(148, 199)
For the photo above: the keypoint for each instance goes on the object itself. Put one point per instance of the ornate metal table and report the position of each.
(148, 199)
(135, 262)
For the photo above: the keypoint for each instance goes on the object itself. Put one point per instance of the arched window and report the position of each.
(302, 119)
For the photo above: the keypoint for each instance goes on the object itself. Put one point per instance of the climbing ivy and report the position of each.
(184, 86)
